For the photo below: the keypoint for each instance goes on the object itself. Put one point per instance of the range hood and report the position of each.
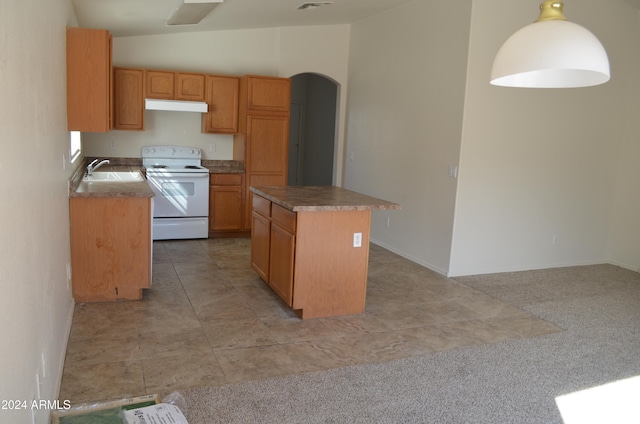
(175, 105)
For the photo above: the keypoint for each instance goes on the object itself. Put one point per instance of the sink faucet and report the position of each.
(91, 167)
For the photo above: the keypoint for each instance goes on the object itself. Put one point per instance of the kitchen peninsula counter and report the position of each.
(311, 246)
(79, 188)
(111, 240)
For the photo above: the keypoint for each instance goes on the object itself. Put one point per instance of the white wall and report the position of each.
(539, 169)
(35, 305)
(407, 73)
(534, 165)
(273, 51)
(624, 242)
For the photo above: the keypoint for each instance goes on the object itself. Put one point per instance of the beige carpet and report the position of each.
(514, 381)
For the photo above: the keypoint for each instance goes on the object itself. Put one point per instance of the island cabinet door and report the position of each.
(260, 241)
(281, 262)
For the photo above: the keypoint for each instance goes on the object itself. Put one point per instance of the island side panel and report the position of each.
(330, 273)
(110, 248)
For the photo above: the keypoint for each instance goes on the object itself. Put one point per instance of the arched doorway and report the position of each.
(312, 132)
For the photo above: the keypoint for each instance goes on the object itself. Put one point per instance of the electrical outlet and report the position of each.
(357, 239)
(112, 143)
(453, 171)
(212, 148)
(388, 222)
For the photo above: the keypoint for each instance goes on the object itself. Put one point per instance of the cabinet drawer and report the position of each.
(283, 217)
(226, 179)
(262, 205)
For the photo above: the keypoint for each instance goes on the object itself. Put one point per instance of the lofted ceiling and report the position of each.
(145, 17)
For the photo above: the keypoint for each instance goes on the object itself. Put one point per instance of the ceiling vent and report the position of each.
(191, 12)
(314, 5)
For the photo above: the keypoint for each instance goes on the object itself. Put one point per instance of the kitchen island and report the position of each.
(311, 246)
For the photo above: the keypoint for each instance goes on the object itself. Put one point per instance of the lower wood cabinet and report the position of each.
(281, 260)
(308, 257)
(110, 247)
(226, 204)
(260, 244)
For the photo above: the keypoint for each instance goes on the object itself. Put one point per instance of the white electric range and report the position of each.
(181, 187)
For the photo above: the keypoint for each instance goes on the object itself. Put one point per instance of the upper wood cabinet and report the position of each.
(269, 94)
(175, 85)
(221, 94)
(160, 84)
(89, 80)
(190, 87)
(262, 141)
(128, 108)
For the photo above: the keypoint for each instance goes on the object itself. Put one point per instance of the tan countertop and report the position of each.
(224, 166)
(78, 188)
(321, 198)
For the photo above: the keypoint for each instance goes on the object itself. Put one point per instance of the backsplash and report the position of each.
(161, 128)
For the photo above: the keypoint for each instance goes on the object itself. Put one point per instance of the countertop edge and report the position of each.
(370, 203)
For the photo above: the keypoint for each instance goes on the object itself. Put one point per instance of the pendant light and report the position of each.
(551, 53)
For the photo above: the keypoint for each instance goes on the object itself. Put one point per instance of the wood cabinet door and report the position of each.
(281, 262)
(260, 243)
(221, 94)
(267, 143)
(189, 87)
(89, 80)
(225, 208)
(159, 84)
(128, 99)
(268, 94)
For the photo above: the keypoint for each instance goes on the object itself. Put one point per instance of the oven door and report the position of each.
(180, 195)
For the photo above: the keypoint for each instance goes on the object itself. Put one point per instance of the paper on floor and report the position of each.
(156, 414)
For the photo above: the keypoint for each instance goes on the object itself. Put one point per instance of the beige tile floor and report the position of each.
(209, 320)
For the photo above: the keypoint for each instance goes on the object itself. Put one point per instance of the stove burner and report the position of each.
(193, 167)
(159, 166)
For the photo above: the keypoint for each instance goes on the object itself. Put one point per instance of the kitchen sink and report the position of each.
(114, 177)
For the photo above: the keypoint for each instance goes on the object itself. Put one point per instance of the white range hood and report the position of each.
(175, 105)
